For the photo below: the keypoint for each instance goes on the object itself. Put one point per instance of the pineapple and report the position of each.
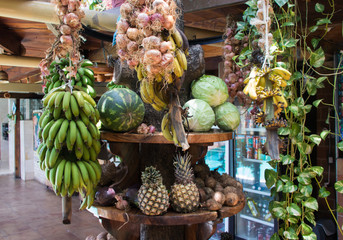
(184, 195)
(152, 195)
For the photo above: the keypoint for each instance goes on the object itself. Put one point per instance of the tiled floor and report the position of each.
(30, 211)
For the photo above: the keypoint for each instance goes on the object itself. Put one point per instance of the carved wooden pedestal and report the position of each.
(138, 151)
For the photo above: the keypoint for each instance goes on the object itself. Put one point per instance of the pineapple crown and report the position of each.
(151, 176)
(183, 170)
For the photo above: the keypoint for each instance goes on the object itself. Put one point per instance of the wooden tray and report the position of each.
(157, 138)
(168, 219)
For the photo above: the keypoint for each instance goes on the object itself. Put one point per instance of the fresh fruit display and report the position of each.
(121, 109)
(217, 190)
(210, 89)
(60, 71)
(152, 195)
(184, 196)
(148, 41)
(70, 142)
(227, 116)
(200, 116)
(233, 74)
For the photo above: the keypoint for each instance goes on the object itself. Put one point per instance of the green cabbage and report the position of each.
(201, 116)
(211, 89)
(227, 116)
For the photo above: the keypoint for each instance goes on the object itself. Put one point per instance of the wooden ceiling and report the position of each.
(26, 38)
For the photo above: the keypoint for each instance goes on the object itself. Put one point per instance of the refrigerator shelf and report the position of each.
(257, 192)
(270, 224)
(253, 160)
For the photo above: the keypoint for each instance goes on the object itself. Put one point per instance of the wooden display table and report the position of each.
(138, 151)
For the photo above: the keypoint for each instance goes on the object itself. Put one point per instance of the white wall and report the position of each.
(26, 150)
(4, 157)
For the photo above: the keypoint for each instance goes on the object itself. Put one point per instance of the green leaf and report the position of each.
(323, 21)
(315, 139)
(285, 178)
(279, 212)
(315, 42)
(281, 2)
(306, 190)
(293, 219)
(289, 187)
(323, 193)
(290, 233)
(311, 88)
(294, 109)
(324, 134)
(289, 43)
(279, 186)
(310, 217)
(311, 203)
(340, 145)
(298, 197)
(239, 36)
(319, 7)
(308, 107)
(320, 80)
(284, 131)
(270, 176)
(304, 178)
(287, 24)
(297, 76)
(294, 210)
(317, 169)
(317, 58)
(311, 236)
(339, 209)
(339, 186)
(305, 229)
(317, 102)
(275, 237)
(287, 160)
(313, 29)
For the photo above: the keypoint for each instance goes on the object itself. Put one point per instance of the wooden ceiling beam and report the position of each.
(10, 41)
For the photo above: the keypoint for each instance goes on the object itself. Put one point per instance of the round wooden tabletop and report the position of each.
(170, 218)
(157, 138)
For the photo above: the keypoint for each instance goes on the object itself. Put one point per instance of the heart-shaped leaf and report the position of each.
(323, 193)
(339, 186)
(317, 58)
(294, 210)
(281, 2)
(311, 203)
(319, 7)
(317, 102)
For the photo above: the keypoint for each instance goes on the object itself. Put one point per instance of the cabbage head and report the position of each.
(227, 116)
(201, 116)
(211, 89)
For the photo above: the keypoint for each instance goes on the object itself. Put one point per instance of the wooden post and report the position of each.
(17, 140)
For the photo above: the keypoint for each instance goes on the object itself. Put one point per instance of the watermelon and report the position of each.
(121, 109)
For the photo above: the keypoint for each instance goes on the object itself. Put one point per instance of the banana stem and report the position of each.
(176, 118)
(66, 210)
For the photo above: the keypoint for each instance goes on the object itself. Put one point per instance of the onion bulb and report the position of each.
(126, 9)
(72, 20)
(122, 40)
(153, 69)
(73, 5)
(122, 26)
(64, 2)
(165, 46)
(160, 6)
(151, 42)
(132, 46)
(66, 40)
(143, 19)
(167, 59)
(65, 29)
(152, 56)
(132, 33)
(169, 22)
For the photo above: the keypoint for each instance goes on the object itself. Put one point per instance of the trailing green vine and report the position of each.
(296, 177)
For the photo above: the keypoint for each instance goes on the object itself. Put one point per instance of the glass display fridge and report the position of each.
(247, 165)
(243, 159)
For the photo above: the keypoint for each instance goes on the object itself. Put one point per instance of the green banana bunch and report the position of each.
(70, 136)
(59, 75)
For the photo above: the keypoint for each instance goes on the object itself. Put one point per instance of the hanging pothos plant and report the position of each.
(289, 34)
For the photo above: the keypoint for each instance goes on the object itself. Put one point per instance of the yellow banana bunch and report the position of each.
(168, 130)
